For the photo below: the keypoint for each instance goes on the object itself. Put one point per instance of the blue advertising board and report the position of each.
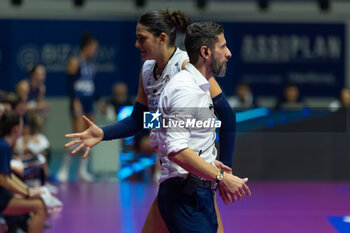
(264, 55)
(268, 56)
(52, 43)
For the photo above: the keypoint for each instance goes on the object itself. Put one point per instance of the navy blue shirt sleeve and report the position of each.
(5, 157)
(127, 127)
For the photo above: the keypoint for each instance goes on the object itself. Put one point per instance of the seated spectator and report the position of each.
(31, 150)
(244, 98)
(118, 98)
(17, 198)
(22, 90)
(17, 104)
(32, 91)
(291, 98)
(4, 101)
(2, 108)
(37, 88)
(343, 100)
(3, 96)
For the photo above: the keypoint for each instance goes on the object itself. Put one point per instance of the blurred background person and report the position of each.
(243, 99)
(3, 101)
(32, 150)
(81, 72)
(37, 88)
(119, 98)
(342, 101)
(32, 91)
(16, 103)
(22, 90)
(291, 99)
(16, 198)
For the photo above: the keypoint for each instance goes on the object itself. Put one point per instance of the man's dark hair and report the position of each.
(8, 120)
(201, 34)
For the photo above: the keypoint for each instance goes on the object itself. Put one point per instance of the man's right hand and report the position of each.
(88, 138)
(232, 188)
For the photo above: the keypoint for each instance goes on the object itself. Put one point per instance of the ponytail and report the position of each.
(166, 21)
(178, 19)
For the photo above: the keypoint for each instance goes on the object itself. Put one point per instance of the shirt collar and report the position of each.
(200, 80)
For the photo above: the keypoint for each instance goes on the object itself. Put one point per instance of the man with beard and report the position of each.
(189, 177)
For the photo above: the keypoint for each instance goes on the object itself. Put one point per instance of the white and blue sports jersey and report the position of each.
(154, 86)
(83, 83)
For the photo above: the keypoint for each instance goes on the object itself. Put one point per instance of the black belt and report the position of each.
(189, 184)
(200, 183)
(206, 184)
(192, 181)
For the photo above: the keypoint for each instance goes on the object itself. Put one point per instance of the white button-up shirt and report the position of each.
(185, 97)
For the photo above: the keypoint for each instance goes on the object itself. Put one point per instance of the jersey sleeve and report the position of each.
(5, 154)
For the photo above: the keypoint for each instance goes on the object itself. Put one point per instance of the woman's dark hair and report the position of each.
(32, 69)
(201, 34)
(8, 120)
(86, 39)
(165, 21)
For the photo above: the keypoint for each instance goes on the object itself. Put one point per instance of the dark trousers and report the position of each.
(186, 213)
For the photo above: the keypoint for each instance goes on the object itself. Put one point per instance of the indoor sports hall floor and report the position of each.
(274, 207)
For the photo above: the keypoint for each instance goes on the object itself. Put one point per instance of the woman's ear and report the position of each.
(163, 38)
